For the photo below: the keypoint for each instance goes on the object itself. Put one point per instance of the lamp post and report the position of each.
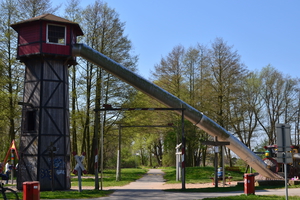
(118, 171)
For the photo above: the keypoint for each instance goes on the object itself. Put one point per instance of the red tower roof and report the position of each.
(48, 17)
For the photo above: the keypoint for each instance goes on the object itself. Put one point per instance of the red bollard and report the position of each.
(249, 184)
(31, 190)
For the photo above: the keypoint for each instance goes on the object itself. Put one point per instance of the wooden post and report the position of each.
(216, 148)
(183, 152)
(118, 171)
(79, 180)
(96, 150)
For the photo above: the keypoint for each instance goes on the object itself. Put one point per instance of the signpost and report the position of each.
(284, 155)
(79, 168)
(178, 161)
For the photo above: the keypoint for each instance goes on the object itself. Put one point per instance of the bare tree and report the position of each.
(73, 12)
(33, 8)
(196, 72)
(169, 72)
(227, 73)
(278, 93)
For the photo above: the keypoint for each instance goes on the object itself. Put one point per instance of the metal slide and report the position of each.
(193, 115)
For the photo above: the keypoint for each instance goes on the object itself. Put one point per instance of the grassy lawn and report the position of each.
(127, 175)
(109, 177)
(203, 174)
(198, 174)
(85, 194)
(193, 175)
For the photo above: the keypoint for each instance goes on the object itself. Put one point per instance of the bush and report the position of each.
(168, 160)
(130, 162)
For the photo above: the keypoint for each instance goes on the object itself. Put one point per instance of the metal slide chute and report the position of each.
(193, 115)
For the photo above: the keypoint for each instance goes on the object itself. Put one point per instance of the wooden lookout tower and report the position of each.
(45, 47)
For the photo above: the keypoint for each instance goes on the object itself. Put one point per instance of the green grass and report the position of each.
(193, 175)
(84, 194)
(209, 189)
(109, 177)
(127, 175)
(198, 175)
(203, 174)
(254, 197)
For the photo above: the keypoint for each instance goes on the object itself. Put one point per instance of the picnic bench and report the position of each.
(233, 169)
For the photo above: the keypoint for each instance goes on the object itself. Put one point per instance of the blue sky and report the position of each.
(262, 31)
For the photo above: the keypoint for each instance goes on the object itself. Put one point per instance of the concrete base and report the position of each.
(269, 183)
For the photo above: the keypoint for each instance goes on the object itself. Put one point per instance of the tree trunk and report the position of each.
(73, 118)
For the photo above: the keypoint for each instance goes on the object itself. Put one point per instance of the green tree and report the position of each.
(105, 33)
(169, 74)
(196, 72)
(244, 109)
(73, 13)
(12, 72)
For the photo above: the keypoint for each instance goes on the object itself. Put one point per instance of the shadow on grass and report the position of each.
(220, 189)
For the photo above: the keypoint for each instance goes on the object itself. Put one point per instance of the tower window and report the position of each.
(56, 34)
(30, 117)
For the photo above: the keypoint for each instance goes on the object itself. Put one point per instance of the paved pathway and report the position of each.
(147, 188)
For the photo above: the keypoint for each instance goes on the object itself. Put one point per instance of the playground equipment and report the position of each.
(275, 164)
(191, 114)
(47, 46)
